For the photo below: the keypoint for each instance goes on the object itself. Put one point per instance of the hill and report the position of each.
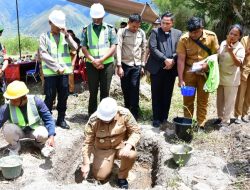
(33, 17)
(75, 20)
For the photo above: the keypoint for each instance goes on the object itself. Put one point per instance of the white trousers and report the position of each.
(12, 134)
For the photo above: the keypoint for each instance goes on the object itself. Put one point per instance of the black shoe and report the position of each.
(62, 124)
(201, 130)
(225, 125)
(156, 123)
(122, 183)
(217, 121)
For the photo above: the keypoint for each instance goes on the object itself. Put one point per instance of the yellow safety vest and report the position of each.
(60, 53)
(32, 113)
(98, 47)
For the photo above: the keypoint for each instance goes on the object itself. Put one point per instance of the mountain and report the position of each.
(75, 20)
(33, 16)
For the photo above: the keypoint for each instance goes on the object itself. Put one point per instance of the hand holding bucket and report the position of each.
(187, 90)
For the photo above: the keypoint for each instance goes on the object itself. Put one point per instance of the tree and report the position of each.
(182, 10)
(223, 13)
(218, 15)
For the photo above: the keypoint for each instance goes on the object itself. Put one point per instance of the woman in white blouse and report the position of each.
(231, 55)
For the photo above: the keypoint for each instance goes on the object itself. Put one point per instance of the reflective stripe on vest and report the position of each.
(32, 114)
(98, 47)
(60, 53)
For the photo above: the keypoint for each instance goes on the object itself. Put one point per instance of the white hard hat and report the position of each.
(57, 17)
(107, 109)
(97, 10)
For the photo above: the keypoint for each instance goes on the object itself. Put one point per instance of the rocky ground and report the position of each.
(220, 160)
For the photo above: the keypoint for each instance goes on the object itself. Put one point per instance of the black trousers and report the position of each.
(162, 85)
(96, 78)
(57, 85)
(130, 84)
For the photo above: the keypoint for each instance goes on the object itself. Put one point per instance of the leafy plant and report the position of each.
(180, 162)
(174, 182)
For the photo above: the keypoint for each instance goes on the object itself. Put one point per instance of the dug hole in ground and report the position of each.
(220, 159)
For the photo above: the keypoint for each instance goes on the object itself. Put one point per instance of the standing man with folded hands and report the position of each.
(131, 51)
(162, 67)
(98, 45)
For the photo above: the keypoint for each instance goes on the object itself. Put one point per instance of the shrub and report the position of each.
(28, 45)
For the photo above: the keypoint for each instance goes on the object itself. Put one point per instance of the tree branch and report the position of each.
(237, 12)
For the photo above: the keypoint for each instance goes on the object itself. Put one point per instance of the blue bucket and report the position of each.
(187, 91)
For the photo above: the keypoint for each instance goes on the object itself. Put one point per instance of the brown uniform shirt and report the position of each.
(246, 64)
(122, 130)
(194, 52)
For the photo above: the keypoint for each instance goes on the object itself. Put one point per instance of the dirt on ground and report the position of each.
(220, 159)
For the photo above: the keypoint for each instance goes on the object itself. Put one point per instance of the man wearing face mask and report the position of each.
(98, 45)
(56, 64)
(111, 133)
(162, 67)
(195, 46)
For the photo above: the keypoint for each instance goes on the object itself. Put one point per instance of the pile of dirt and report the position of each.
(239, 159)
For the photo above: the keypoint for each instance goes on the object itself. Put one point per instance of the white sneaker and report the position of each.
(47, 151)
(245, 118)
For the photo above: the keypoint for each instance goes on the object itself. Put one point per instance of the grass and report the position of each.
(29, 45)
(145, 112)
(173, 183)
(175, 109)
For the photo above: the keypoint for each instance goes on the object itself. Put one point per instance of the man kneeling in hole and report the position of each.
(111, 133)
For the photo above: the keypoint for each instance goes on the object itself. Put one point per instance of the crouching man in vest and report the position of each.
(111, 133)
(56, 64)
(24, 113)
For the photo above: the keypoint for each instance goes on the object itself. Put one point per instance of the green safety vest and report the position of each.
(61, 55)
(32, 114)
(98, 47)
